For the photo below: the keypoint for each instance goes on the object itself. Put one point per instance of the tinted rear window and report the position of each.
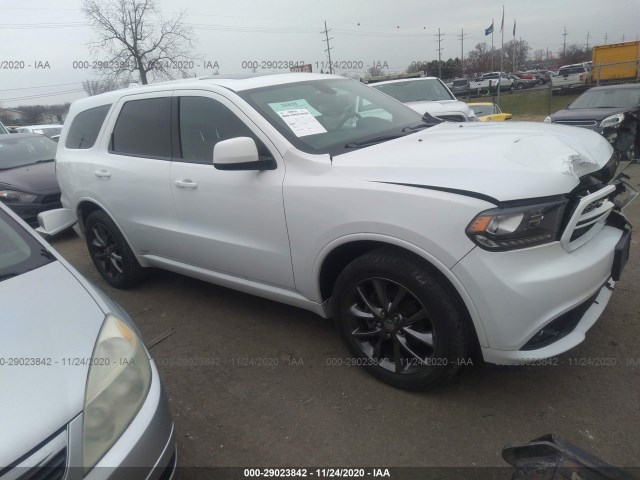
(85, 127)
(144, 128)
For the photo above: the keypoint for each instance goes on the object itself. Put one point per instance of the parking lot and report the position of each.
(255, 383)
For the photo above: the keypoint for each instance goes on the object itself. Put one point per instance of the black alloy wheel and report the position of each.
(399, 320)
(110, 252)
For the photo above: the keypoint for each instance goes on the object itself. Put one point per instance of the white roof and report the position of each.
(403, 80)
(235, 83)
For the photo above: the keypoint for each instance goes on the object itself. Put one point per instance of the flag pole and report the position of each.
(501, 54)
(492, 21)
(513, 66)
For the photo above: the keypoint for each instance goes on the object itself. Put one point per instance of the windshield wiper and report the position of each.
(373, 141)
(46, 160)
(420, 126)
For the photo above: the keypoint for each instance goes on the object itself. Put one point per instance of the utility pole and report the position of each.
(439, 35)
(623, 38)
(605, 38)
(588, 35)
(328, 49)
(564, 43)
(547, 53)
(461, 37)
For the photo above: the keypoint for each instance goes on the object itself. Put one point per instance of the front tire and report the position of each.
(110, 252)
(399, 321)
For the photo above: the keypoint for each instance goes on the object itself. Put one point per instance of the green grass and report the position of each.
(531, 105)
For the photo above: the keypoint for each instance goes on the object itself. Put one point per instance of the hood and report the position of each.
(37, 400)
(39, 178)
(597, 114)
(441, 107)
(499, 161)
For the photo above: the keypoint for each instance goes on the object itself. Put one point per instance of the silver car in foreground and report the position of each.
(80, 396)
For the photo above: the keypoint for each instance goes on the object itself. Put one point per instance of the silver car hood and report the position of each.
(498, 161)
(47, 314)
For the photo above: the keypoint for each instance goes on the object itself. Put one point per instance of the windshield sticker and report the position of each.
(301, 122)
(302, 103)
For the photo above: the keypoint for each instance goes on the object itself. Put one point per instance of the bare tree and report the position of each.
(107, 84)
(374, 71)
(574, 53)
(135, 37)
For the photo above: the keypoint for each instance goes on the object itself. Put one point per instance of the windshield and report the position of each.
(20, 151)
(330, 116)
(19, 252)
(48, 131)
(482, 110)
(430, 89)
(610, 98)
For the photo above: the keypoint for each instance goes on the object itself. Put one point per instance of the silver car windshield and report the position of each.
(333, 116)
(19, 252)
(427, 89)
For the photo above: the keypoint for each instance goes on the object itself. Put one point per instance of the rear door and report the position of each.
(129, 175)
(233, 221)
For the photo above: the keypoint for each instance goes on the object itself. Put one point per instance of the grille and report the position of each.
(47, 461)
(53, 469)
(453, 118)
(578, 123)
(587, 218)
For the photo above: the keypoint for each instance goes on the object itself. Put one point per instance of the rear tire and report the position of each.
(110, 252)
(399, 321)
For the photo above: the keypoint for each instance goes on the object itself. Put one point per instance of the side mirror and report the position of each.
(53, 222)
(240, 153)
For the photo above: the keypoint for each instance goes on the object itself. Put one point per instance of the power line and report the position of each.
(329, 48)
(439, 49)
(41, 95)
(461, 37)
(42, 86)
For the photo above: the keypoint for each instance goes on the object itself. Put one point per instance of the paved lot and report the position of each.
(270, 397)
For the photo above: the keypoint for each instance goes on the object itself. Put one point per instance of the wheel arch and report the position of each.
(337, 255)
(86, 207)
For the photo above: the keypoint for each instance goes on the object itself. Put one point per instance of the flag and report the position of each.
(489, 31)
(502, 23)
(514, 27)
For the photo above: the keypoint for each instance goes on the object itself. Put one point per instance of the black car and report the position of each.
(612, 111)
(28, 182)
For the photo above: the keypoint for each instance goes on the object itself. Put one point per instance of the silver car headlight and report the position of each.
(612, 120)
(117, 385)
(501, 229)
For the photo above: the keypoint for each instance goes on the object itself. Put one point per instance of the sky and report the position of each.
(44, 44)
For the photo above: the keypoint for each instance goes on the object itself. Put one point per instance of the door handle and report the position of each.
(102, 173)
(186, 183)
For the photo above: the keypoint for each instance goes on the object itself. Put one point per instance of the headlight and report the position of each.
(517, 227)
(547, 119)
(15, 196)
(117, 385)
(612, 120)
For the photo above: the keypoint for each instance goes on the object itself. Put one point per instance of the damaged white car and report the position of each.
(425, 240)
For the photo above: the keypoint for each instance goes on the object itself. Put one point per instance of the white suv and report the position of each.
(426, 241)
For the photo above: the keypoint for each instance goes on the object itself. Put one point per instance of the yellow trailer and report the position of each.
(616, 61)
